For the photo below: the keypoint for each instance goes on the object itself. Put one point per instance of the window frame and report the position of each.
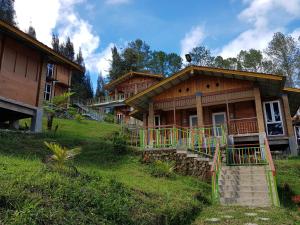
(50, 67)
(159, 122)
(46, 92)
(273, 117)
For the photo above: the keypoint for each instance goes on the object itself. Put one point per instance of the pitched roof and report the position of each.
(119, 80)
(32, 42)
(270, 84)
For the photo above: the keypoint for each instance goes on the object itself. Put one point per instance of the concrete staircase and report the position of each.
(244, 186)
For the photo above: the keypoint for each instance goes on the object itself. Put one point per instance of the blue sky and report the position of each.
(224, 26)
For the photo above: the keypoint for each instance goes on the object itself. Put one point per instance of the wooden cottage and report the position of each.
(29, 73)
(123, 88)
(199, 105)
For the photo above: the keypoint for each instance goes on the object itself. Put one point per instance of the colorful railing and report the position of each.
(215, 172)
(245, 155)
(271, 175)
(202, 140)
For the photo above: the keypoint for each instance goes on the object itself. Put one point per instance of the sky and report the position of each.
(224, 26)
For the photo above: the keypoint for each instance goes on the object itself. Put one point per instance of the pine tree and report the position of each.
(88, 86)
(31, 32)
(7, 11)
(55, 42)
(117, 65)
(100, 86)
(79, 59)
(68, 49)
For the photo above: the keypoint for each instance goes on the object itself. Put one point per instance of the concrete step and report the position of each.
(243, 182)
(240, 169)
(246, 177)
(253, 202)
(245, 194)
(254, 187)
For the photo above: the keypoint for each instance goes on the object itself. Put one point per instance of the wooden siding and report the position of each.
(136, 84)
(63, 74)
(19, 75)
(204, 85)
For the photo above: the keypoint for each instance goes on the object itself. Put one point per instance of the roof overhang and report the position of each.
(269, 84)
(294, 99)
(111, 85)
(35, 44)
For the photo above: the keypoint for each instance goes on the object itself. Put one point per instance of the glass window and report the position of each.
(47, 92)
(297, 130)
(273, 118)
(50, 70)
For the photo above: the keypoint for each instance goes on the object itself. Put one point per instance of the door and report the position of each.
(218, 119)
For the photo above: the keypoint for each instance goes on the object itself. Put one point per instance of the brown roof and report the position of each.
(270, 84)
(32, 42)
(126, 76)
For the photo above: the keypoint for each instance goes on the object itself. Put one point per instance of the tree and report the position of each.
(285, 54)
(117, 66)
(67, 49)
(7, 11)
(31, 32)
(100, 86)
(55, 42)
(79, 58)
(229, 63)
(164, 63)
(251, 60)
(201, 56)
(88, 86)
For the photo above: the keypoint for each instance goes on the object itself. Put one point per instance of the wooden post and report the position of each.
(259, 111)
(41, 82)
(289, 125)
(151, 123)
(2, 50)
(174, 113)
(144, 120)
(116, 94)
(199, 109)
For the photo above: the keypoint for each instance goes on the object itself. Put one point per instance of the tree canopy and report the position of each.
(7, 11)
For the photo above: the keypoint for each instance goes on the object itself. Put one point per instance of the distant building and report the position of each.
(122, 88)
(29, 73)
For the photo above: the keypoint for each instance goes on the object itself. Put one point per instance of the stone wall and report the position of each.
(185, 164)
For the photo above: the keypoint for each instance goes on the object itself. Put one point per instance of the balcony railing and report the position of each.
(201, 140)
(243, 126)
(108, 99)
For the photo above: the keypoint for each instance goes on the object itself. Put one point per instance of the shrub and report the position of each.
(162, 169)
(61, 156)
(119, 143)
(109, 118)
(79, 118)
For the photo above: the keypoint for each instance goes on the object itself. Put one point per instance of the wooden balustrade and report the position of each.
(243, 126)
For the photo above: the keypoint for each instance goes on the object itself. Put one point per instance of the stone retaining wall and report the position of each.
(194, 166)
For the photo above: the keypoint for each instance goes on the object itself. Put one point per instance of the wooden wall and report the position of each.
(63, 74)
(19, 72)
(204, 84)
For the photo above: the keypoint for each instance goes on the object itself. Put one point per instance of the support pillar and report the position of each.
(36, 121)
(259, 116)
(150, 123)
(199, 109)
(289, 125)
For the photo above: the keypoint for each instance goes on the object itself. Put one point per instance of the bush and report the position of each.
(79, 118)
(109, 118)
(162, 169)
(119, 143)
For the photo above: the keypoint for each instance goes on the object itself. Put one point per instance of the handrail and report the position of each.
(269, 157)
(215, 170)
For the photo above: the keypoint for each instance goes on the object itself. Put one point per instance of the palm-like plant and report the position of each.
(62, 155)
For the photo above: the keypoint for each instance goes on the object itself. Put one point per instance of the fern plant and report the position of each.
(61, 155)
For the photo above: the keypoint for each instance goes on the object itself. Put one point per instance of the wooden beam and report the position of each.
(199, 107)
(151, 115)
(288, 117)
(2, 51)
(259, 111)
(41, 82)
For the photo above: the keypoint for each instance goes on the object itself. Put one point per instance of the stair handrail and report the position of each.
(269, 157)
(215, 170)
(271, 175)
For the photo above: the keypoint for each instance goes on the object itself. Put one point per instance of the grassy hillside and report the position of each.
(111, 189)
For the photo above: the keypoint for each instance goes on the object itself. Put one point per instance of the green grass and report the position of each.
(111, 189)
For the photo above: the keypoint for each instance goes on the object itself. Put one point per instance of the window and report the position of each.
(157, 120)
(47, 92)
(50, 70)
(120, 118)
(273, 118)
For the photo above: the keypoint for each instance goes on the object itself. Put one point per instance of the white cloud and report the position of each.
(100, 61)
(117, 2)
(192, 39)
(265, 17)
(48, 15)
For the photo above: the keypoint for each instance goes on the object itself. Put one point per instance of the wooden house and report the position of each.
(123, 88)
(199, 105)
(26, 77)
